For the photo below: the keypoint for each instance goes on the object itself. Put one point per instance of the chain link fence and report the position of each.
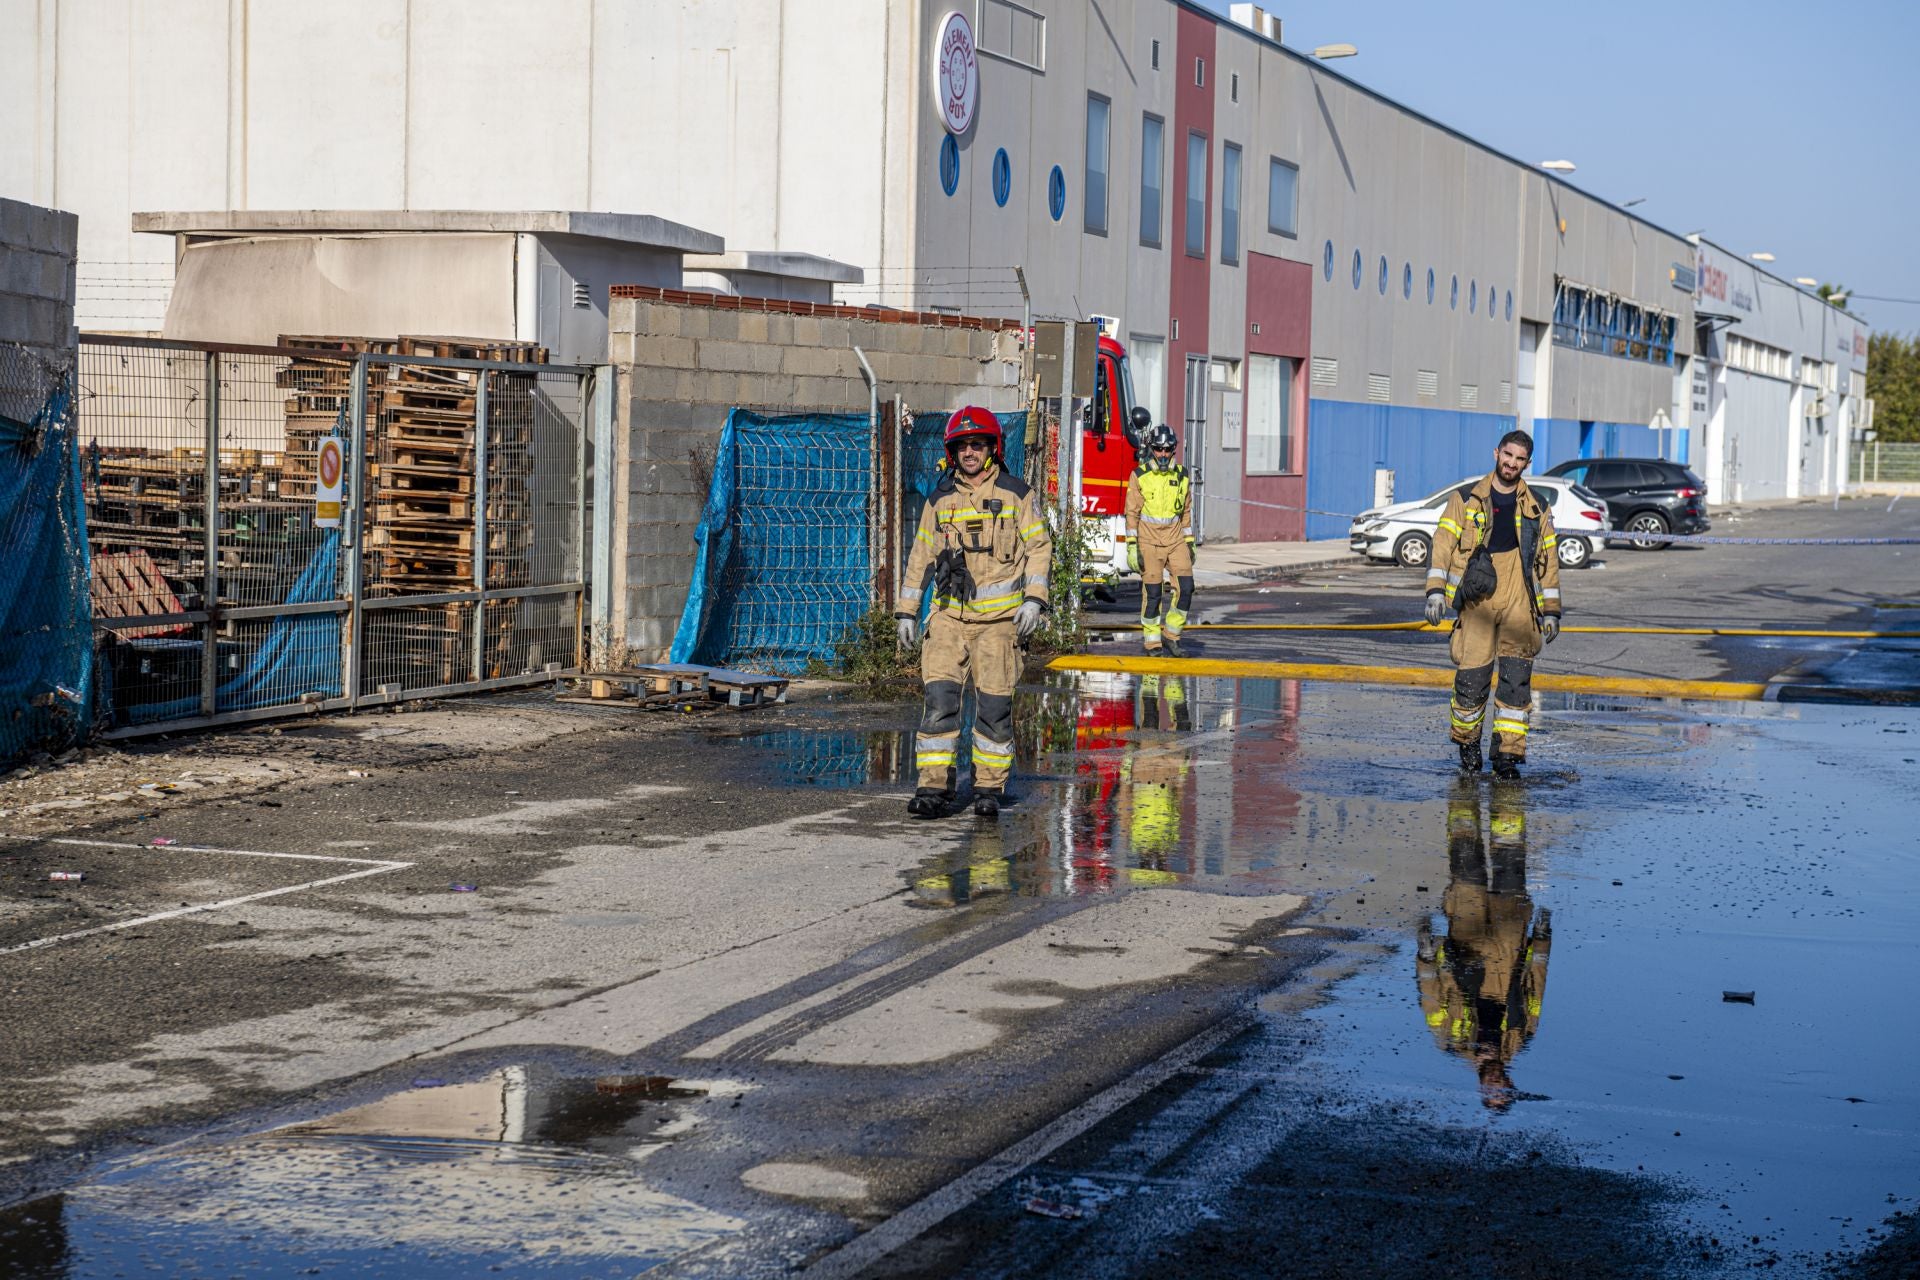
(222, 590)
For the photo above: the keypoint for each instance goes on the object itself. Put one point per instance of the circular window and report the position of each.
(1406, 282)
(1383, 276)
(1473, 296)
(949, 164)
(1429, 286)
(1357, 269)
(1002, 177)
(1453, 297)
(1493, 296)
(1056, 193)
(1509, 306)
(1326, 263)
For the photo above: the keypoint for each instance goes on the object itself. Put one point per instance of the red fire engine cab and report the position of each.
(1112, 429)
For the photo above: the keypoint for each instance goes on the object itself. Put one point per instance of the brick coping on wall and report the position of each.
(781, 306)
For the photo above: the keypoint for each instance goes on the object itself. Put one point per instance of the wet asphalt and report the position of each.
(1249, 982)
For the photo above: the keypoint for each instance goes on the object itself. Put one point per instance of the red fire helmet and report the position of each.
(974, 421)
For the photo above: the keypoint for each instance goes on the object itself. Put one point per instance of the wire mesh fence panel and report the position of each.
(475, 491)
(218, 588)
(143, 422)
(784, 568)
(1886, 462)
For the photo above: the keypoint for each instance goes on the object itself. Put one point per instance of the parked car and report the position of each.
(1403, 532)
(1644, 495)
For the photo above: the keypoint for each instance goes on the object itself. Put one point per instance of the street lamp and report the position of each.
(1808, 281)
(1335, 51)
(1558, 166)
(1761, 257)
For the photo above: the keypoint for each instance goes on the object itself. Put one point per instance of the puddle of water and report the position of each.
(514, 1174)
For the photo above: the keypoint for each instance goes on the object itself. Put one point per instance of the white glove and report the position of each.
(1549, 628)
(907, 630)
(1027, 620)
(1436, 608)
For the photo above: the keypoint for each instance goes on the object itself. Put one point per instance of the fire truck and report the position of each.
(1112, 428)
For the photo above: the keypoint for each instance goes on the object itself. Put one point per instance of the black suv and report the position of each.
(1644, 495)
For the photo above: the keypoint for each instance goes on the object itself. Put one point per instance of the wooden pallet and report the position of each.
(680, 684)
(129, 584)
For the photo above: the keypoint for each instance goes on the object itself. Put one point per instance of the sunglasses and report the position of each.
(982, 445)
(1163, 448)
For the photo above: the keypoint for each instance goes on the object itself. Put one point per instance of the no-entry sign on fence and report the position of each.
(326, 493)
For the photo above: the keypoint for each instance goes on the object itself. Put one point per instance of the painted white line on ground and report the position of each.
(370, 867)
(382, 869)
(204, 848)
(918, 1218)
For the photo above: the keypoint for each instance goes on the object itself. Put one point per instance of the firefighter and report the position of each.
(984, 539)
(1482, 985)
(1495, 561)
(1160, 539)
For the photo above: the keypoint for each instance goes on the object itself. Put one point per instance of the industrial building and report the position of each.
(1330, 294)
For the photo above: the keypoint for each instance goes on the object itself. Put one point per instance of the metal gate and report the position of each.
(221, 592)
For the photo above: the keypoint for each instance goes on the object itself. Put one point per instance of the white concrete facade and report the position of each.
(810, 126)
(1777, 384)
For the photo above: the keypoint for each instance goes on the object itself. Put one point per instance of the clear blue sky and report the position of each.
(1787, 128)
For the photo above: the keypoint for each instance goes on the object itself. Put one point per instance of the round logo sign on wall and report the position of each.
(956, 73)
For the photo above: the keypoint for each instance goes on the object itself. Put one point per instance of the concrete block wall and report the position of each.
(684, 360)
(37, 337)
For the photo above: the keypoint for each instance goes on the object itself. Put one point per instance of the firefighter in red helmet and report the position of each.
(984, 540)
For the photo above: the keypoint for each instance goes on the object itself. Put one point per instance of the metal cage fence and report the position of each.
(221, 590)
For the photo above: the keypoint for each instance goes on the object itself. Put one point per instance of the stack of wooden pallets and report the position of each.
(423, 486)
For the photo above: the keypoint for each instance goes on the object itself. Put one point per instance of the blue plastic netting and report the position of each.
(46, 623)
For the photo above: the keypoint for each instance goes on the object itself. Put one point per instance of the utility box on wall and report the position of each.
(1383, 486)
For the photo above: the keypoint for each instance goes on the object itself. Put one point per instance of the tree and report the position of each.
(1893, 380)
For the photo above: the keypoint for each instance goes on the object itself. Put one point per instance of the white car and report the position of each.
(1403, 532)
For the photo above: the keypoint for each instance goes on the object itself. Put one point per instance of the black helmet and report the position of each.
(1160, 437)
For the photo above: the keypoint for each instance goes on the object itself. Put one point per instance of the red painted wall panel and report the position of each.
(1280, 302)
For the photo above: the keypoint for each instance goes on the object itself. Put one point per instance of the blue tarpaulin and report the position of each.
(46, 609)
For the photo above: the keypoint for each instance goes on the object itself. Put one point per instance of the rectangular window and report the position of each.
(1283, 197)
(1230, 204)
(1233, 86)
(1200, 73)
(1098, 111)
(1156, 55)
(1197, 158)
(1013, 31)
(1148, 356)
(1152, 165)
(1269, 415)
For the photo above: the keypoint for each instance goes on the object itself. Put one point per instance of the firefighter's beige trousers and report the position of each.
(1498, 632)
(989, 652)
(1156, 562)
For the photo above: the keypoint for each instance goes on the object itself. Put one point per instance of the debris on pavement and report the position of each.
(66, 875)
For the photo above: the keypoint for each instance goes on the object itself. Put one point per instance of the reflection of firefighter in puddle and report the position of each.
(1154, 775)
(1481, 986)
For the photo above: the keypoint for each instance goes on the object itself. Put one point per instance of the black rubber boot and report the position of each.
(1172, 645)
(1505, 766)
(928, 802)
(986, 802)
(1470, 761)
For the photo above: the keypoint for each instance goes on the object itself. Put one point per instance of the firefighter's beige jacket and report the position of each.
(992, 539)
(1463, 527)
